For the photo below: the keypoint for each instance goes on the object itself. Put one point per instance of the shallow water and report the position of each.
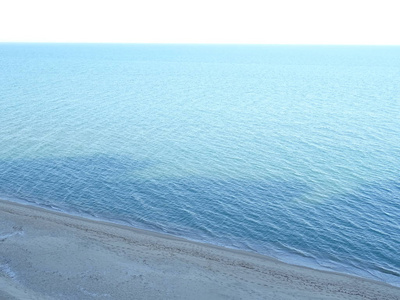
(290, 151)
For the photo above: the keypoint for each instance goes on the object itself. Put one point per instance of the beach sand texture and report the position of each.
(50, 255)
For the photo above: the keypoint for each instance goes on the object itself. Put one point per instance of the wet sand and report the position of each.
(51, 255)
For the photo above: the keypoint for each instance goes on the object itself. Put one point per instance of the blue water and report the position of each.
(289, 151)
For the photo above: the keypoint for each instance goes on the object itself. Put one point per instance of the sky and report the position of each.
(206, 21)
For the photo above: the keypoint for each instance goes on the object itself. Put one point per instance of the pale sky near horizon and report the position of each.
(206, 21)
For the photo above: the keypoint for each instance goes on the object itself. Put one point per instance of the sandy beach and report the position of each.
(50, 255)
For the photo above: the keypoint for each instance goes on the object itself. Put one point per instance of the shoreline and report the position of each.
(144, 230)
(48, 254)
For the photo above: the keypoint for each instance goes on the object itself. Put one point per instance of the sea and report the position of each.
(287, 151)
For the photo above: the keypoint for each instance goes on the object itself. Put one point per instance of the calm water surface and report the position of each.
(289, 151)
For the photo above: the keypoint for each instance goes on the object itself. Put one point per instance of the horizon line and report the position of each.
(197, 44)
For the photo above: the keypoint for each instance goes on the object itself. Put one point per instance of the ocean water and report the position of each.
(288, 151)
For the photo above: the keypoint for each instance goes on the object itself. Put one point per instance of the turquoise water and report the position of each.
(289, 151)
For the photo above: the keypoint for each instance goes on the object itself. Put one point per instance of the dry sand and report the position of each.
(49, 255)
